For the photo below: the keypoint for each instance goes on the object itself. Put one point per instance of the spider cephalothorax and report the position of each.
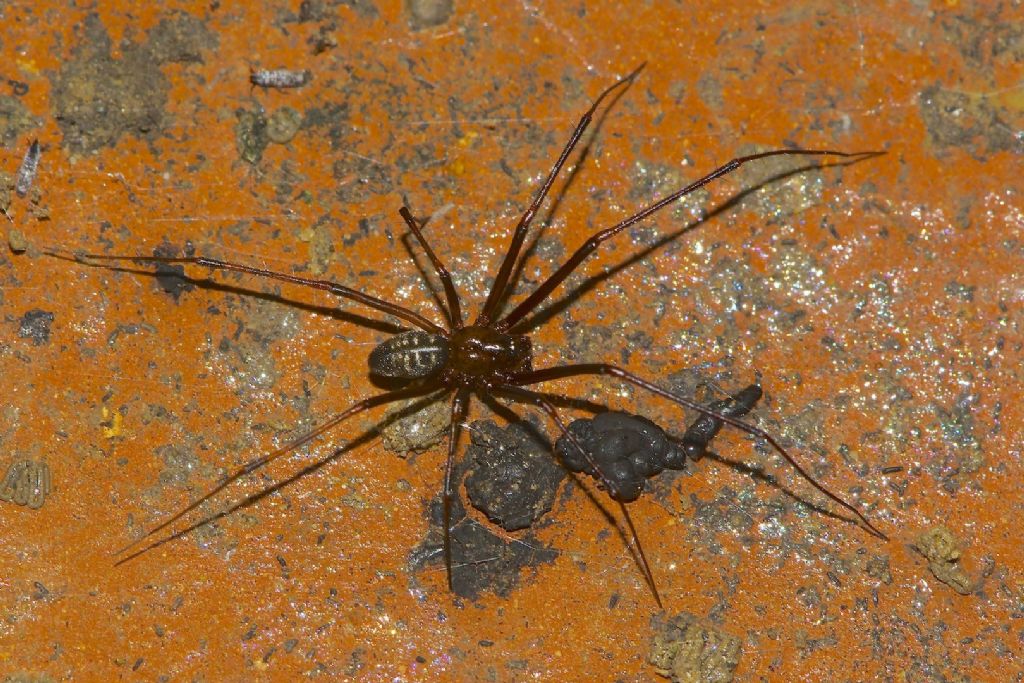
(483, 358)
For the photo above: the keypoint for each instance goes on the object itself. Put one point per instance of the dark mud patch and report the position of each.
(978, 123)
(180, 38)
(15, 120)
(251, 137)
(780, 187)
(513, 477)
(35, 325)
(482, 559)
(98, 98)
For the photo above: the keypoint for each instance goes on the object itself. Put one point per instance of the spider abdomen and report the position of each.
(409, 355)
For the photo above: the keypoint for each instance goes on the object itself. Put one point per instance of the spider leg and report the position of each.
(549, 408)
(264, 460)
(561, 371)
(454, 311)
(326, 285)
(519, 236)
(460, 402)
(590, 246)
(249, 499)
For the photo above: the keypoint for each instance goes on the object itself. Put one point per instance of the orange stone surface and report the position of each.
(877, 302)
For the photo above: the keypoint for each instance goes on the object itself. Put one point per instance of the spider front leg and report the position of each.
(216, 264)
(590, 246)
(501, 281)
(454, 311)
(562, 371)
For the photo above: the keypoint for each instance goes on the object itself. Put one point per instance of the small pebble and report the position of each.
(27, 482)
(279, 78)
(16, 241)
(27, 171)
(283, 124)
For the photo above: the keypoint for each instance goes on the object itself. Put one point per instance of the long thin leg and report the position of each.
(519, 236)
(560, 372)
(454, 311)
(264, 460)
(459, 404)
(587, 248)
(552, 412)
(247, 500)
(326, 285)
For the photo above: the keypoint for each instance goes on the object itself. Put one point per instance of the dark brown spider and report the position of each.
(486, 356)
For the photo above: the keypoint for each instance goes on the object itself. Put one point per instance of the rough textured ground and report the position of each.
(879, 303)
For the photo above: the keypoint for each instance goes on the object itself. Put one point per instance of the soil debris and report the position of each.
(686, 652)
(942, 551)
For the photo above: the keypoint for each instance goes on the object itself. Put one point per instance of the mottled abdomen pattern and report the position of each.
(409, 355)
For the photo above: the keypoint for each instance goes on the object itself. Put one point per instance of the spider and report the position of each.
(487, 356)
